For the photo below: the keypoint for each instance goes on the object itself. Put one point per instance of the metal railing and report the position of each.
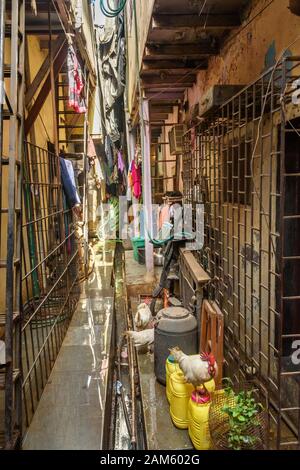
(50, 271)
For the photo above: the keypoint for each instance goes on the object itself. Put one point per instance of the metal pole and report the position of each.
(52, 79)
(147, 188)
(2, 38)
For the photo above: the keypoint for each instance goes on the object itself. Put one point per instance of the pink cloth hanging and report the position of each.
(136, 180)
(121, 165)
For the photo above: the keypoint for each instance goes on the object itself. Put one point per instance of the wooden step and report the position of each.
(71, 141)
(5, 161)
(16, 375)
(16, 317)
(8, 30)
(3, 262)
(12, 445)
(7, 71)
(69, 126)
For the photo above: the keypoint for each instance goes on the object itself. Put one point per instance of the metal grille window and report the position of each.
(243, 164)
(50, 271)
(236, 178)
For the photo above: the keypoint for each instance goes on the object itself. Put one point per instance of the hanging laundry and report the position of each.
(109, 152)
(68, 182)
(91, 149)
(78, 14)
(136, 180)
(76, 100)
(121, 165)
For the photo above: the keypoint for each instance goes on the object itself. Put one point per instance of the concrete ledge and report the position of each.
(135, 277)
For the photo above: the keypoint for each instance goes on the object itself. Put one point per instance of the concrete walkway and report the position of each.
(70, 414)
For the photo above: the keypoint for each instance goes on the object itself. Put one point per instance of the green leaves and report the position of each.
(241, 415)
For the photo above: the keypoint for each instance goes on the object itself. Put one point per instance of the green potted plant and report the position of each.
(237, 420)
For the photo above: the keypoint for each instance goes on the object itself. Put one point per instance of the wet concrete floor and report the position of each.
(71, 412)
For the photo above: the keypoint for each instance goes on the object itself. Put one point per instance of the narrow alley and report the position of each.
(149, 229)
(71, 412)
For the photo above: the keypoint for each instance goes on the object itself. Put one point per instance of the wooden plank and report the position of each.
(213, 22)
(45, 90)
(161, 109)
(167, 80)
(173, 66)
(169, 85)
(159, 116)
(199, 275)
(44, 69)
(175, 51)
(164, 95)
(179, 72)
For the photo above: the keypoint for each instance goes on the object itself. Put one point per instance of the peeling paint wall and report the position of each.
(144, 13)
(250, 50)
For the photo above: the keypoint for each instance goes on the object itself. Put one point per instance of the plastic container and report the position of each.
(180, 393)
(141, 256)
(198, 422)
(136, 244)
(171, 367)
(177, 327)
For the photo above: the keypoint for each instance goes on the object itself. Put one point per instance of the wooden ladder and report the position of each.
(12, 28)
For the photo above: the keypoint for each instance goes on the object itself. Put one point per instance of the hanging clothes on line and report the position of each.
(136, 175)
(68, 182)
(109, 151)
(76, 100)
(91, 149)
(121, 166)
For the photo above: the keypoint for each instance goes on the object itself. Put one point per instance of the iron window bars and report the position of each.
(50, 271)
(243, 164)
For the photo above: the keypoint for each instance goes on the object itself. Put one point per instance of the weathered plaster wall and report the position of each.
(252, 49)
(144, 12)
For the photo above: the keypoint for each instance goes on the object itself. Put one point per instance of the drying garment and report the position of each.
(109, 152)
(164, 215)
(91, 150)
(121, 166)
(98, 172)
(136, 180)
(76, 100)
(68, 182)
(78, 14)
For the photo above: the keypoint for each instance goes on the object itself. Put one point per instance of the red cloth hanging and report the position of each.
(136, 180)
(76, 85)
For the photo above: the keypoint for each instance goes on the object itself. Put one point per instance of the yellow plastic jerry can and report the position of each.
(171, 367)
(180, 393)
(198, 413)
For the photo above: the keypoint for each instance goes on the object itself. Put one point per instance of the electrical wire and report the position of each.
(199, 66)
(259, 129)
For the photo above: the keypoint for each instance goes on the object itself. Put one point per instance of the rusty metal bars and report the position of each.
(50, 275)
(235, 163)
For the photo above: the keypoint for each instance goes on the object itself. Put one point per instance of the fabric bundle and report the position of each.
(68, 182)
